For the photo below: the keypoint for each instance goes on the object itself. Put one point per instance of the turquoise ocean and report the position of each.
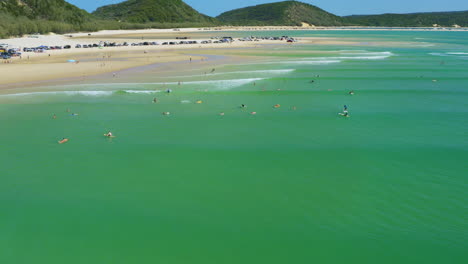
(294, 184)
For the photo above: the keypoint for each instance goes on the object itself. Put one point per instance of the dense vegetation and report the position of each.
(287, 13)
(143, 11)
(445, 19)
(20, 17)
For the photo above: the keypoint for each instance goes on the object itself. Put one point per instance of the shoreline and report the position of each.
(80, 64)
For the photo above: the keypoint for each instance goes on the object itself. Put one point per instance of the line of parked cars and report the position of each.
(8, 53)
(44, 48)
(184, 41)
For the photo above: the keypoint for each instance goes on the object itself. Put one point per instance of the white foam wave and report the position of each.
(85, 93)
(438, 54)
(142, 91)
(383, 53)
(365, 58)
(281, 71)
(226, 84)
(185, 102)
(311, 62)
(457, 53)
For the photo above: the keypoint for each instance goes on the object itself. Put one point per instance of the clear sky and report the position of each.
(338, 7)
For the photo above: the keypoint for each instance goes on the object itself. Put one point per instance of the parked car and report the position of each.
(67, 47)
(5, 55)
(77, 46)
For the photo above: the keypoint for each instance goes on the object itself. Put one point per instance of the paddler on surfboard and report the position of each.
(109, 135)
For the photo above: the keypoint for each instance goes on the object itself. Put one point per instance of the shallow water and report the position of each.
(295, 184)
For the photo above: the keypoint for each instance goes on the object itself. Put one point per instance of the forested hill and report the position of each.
(143, 11)
(53, 10)
(287, 13)
(445, 19)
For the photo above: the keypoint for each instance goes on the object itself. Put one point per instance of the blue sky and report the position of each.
(338, 7)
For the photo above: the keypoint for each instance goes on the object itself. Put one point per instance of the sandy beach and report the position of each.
(31, 68)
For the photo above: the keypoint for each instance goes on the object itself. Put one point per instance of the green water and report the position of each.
(387, 185)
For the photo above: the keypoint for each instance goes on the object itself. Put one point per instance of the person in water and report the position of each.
(351, 92)
(168, 91)
(345, 108)
(243, 106)
(155, 100)
(109, 134)
(54, 116)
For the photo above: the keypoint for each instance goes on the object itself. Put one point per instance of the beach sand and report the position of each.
(36, 68)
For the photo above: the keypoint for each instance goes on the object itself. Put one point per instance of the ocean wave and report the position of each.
(377, 53)
(142, 91)
(358, 57)
(281, 71)
(313, 62)
(85, 93)
(450, 54)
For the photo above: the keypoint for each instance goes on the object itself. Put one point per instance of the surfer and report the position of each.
(345, 113)
(345, 108)
(109, 134)
(168, 90)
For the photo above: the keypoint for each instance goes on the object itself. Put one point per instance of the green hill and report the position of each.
(445, 19)
(161, 11)
(287, 13)
(53, 10)
(19, 17)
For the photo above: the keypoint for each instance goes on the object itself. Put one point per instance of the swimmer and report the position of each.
(54, 116)
(243, 106)
(312, 81)
(351, 92)
(155, 100)
(345, 108)
(253, 113)
(345, 113)
(277, 106)
(166, 113)
(109, 135)
(64, 140)
(168, 91)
